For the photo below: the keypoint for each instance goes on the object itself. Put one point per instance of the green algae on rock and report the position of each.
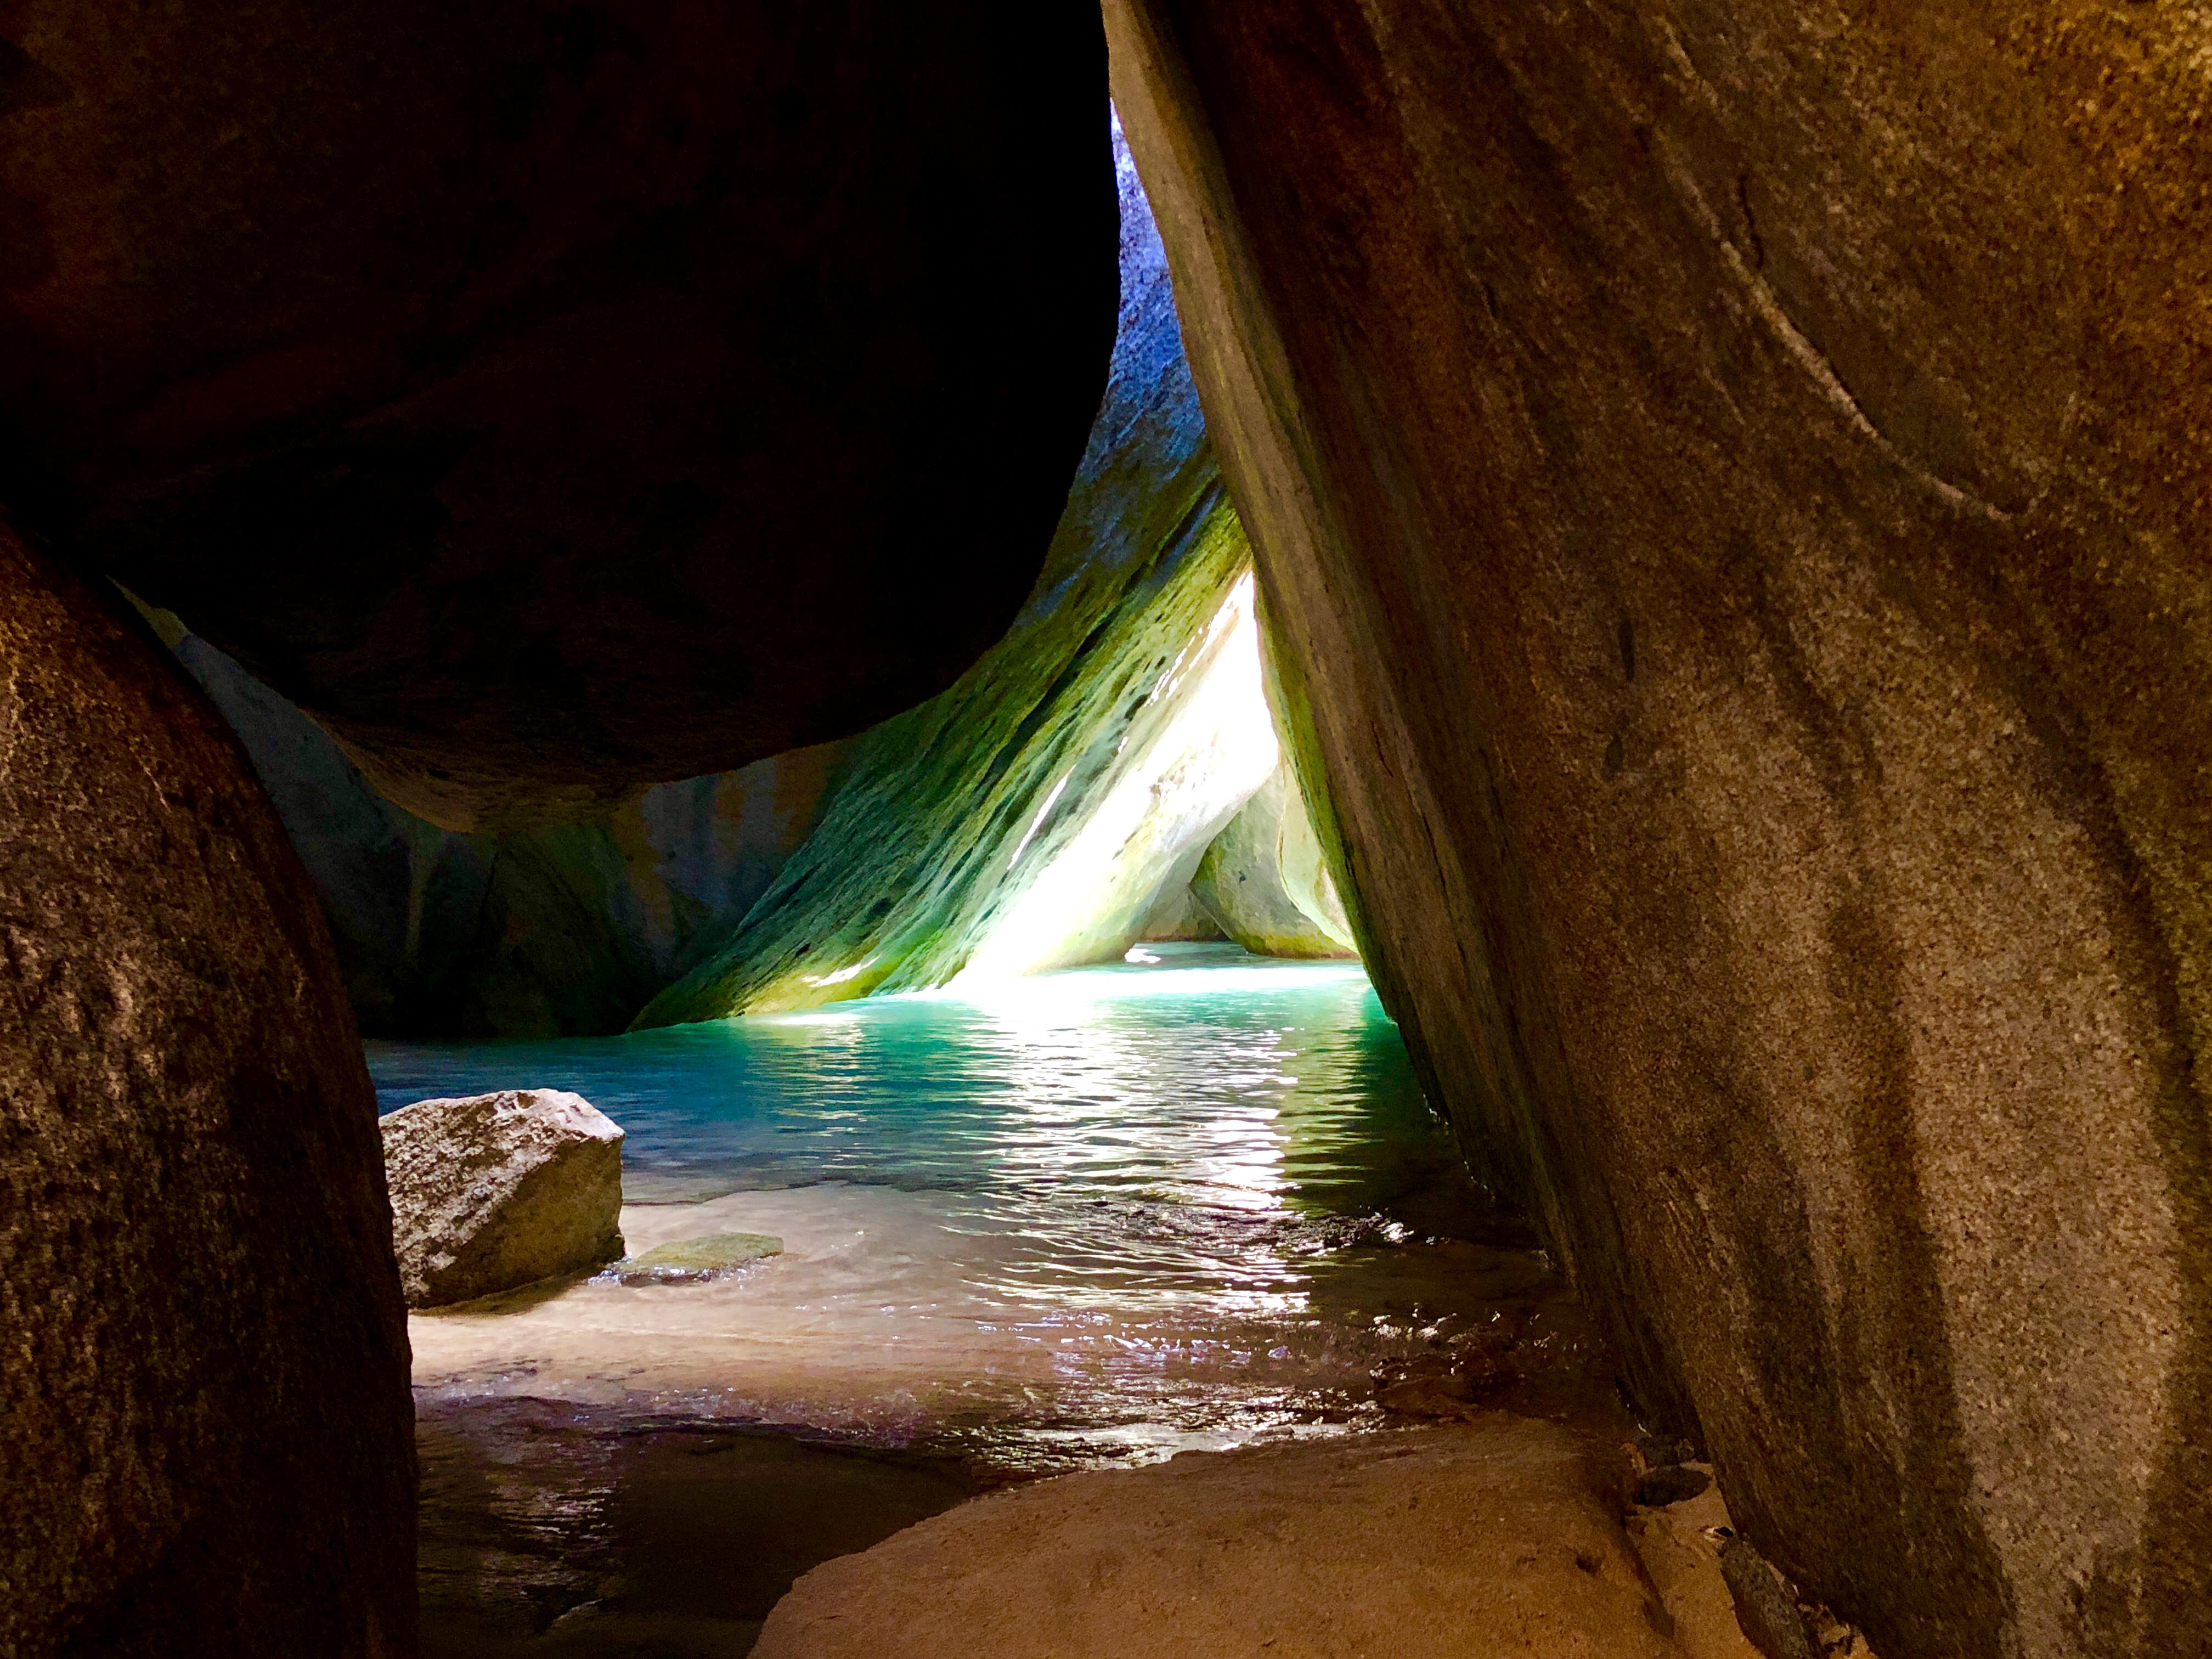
(691, 1261)
(921, 849)
(946, 816)
(554, 932)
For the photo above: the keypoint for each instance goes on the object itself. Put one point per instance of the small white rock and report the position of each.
(491, 1192)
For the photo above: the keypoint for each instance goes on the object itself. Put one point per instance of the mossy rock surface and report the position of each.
(690, 1259)
(941, 816)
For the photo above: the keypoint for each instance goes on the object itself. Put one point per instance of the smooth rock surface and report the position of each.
(563, 930)
(492, 1192)
(208, 1435)
(1729, 482)
(1176, 916)
(1495, 1538)
(555, 401)
(1262, 878)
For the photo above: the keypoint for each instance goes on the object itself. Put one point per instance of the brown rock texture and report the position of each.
(1461, 1543)
(554, 401)
(203, 1353)
(493, 1192)
(1730, 482)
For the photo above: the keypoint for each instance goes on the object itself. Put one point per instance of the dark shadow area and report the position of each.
(555, 1529)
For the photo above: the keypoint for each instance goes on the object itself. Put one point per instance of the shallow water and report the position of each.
(1115, 1211)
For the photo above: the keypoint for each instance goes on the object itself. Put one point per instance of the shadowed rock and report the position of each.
(1730, 487)
(203, 1353)
(492, 1192)
(557, 401)
(910, 833)
(1764, 1608)
(1263, 880)
(566, 929)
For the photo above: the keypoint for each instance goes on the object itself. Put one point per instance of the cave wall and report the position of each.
(208, 1443)
(943, 818)
(1265, 881)
(562, 931)
(909, 835)
(1726, 482)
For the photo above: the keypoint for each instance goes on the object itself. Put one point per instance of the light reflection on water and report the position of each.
(1149, 1205)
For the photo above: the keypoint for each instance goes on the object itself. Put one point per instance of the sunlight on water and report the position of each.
(1143, 1205)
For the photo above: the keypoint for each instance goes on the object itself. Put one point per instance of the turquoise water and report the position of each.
(1162, 1199)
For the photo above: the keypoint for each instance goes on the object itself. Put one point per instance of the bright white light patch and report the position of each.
(1089, 901)
(841, 975)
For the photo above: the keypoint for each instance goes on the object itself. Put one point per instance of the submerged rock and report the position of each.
(1262, 878)
(492, 1192)
(207, 1441)
(692, 1261)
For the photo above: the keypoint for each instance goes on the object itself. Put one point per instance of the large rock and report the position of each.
(493, 1192)
(1730, 483)
(945, 819)
(1458, 1544)
(1262, 878)
(208, 1443)
(557, 400)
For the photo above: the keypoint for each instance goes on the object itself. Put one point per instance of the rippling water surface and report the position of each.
(1109, 1211)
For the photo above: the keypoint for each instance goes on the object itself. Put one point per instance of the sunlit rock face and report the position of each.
(1150, 821)
(1262, 878)
(208, 1442)
(1133, 666)
(557, 400)
(1176, 916)
(1730, 482)
(1118, 677)
(493, 1192)
(563, 930)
